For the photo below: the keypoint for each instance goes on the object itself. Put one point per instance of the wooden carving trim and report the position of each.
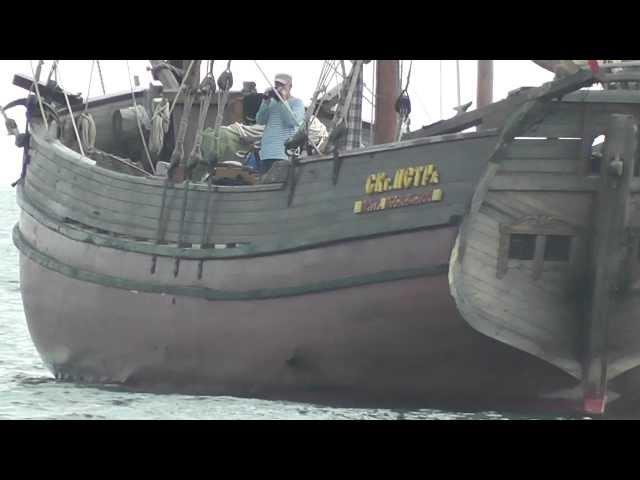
(538, 257)
(503, 251)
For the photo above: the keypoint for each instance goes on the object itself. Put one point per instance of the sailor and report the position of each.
(280, 122)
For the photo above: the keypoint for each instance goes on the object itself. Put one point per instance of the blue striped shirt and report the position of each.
(279, 126)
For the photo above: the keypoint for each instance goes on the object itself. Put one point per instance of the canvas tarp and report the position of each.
(234, 141)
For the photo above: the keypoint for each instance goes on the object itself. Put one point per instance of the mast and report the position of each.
(485, 83)
(169, 80)
(165, 76)
(194, 74)
(387, 91)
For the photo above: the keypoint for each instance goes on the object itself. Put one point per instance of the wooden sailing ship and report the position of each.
(452, 267)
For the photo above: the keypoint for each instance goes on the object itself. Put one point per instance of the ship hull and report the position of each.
(381, 342)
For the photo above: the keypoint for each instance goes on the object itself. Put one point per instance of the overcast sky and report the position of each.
(425, 89)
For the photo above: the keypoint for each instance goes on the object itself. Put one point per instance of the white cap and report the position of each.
(284, 78)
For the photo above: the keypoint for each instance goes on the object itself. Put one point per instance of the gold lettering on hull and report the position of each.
(403, 179)
(397, 201)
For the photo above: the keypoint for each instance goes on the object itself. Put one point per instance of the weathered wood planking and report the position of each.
(530, 311)
(113, 203)
(512, 181)
(241, 214)
(543, 156)
(533, 306)
(573, 208)
(516, 297)
(315, 191)
(456, 157)
(521, 149)
(540, 166)
(290, 236)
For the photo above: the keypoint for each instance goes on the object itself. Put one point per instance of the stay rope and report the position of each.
(36, 80)
(403, 103)
(225, 82)
(135, 105)
(86, 124)
(66, 98)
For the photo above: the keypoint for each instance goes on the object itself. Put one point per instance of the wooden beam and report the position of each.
(485, 83)
(387, 91)
(56, 94)
(165, 75)
(608, 254)
(548, 91)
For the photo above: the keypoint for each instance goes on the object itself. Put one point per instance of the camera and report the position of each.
(270, 94)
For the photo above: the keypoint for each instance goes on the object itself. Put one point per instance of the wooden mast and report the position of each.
(165, 76)
(387, 91)
(485, 83)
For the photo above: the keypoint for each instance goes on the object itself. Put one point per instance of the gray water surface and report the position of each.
(29, 391)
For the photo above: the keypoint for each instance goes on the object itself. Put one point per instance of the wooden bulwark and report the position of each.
(319, 212)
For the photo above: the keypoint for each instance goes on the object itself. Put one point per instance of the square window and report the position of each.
(557, 248)
(522, 246)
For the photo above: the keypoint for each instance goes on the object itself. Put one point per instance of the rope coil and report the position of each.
(135, 105)
(159, 126)
(87, 131)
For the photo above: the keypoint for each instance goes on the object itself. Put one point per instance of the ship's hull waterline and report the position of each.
(385, 343)
(361, 320)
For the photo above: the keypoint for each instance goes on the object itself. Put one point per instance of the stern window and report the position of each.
(522, 246)
(557, 248)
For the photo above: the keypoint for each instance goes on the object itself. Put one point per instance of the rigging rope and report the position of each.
(403, 104)
(321, 86)
(178, 151)
(159, 126)
(104, 92)
(36, 79)
(87, 128)
(225, 82)
(208, 87)
(184, 81)
(86, 124)
(135, 105)
(86, 101)
(86, 131)
(175, 160)
(440, 84)
(373, 95)
(301, 136)
(458, 81)
(286, 104)
(73, 121)
(160, 123)
(223, 95)
(373, 105)
(54, 66)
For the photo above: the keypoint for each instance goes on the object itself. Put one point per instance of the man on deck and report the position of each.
(280, 122)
